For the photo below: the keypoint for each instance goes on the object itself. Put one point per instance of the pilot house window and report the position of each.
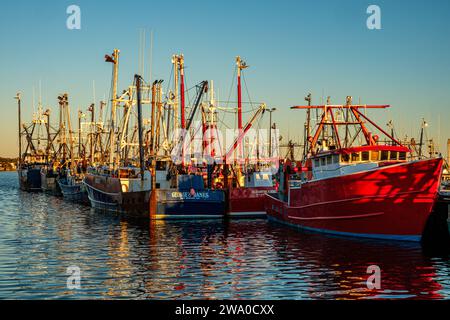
(316, 163)
(355, 156)
(345, 157)
(393, 155)
(374, 155)
(365, 156)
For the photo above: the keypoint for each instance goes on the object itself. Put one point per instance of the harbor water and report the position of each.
(41, 236)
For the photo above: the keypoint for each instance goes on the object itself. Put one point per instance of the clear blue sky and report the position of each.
(293, 47)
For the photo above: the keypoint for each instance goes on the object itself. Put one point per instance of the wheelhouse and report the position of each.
(349, 160)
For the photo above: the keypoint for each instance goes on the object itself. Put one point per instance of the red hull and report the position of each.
(247, 202)
(392, 202)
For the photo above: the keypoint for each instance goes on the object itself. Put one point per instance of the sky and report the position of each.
(292, 48)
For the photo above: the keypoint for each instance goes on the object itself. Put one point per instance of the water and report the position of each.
(41, 236)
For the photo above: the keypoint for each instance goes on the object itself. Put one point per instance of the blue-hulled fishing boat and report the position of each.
(191, 200)
(30, 177)
(73, 189)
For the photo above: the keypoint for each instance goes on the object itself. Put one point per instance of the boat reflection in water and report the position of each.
(121, 257)
(254, 260)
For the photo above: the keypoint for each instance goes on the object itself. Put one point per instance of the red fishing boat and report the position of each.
(368, 190)
(245, 181)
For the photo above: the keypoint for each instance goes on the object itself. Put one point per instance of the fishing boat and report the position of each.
(248, 201)
(35, 156)
(72, 188)
(48, 180)
(120, 191)
(244, 178)
(178, 185)
(30, 176)
(124, 185)
(368, 189)
(188, 199)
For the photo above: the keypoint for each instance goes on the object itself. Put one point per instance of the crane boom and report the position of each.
(247, 127)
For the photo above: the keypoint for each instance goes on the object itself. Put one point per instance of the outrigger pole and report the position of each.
(17, 97)
(115, 60)
(354, 109)
(308, 126)
(138, 79)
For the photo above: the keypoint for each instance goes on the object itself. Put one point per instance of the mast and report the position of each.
(62, 127)
(20, 124)
(307, 127)
(91, 140)
(240, 65)
(181, 66)
(152, 119)
(72, 153)
(424, 124)
(49, 139)
(159, 106)
(348, 102)
(175, 61)
(138, 78)
(115, 60)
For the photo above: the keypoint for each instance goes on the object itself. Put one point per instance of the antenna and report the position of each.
(151, 56)
(40, 91)
(93, 91)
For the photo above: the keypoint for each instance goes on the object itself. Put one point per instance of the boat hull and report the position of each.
(30, 179)
(391, 202)
(105, 193)
(73, 192)
(177, 205)
(49, 184)
(247, 202)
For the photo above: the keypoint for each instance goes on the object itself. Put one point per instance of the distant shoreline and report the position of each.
(8, 164)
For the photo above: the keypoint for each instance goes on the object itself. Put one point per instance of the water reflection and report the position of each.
(41, 236)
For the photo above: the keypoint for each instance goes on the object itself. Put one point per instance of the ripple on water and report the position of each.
(40, 236)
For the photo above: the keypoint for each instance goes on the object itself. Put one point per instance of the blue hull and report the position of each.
(32, 180)
(74, 193)
(205, 204)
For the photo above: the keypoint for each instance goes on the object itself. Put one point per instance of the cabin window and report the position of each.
(345, 157)
(374, 155)
(393, 155)
(336, 159)
(323, 161)
(355, 156)
(316, 163)
(161, 165)
(402, 156)
(365, 156)
(384, 155)
(329, 160)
